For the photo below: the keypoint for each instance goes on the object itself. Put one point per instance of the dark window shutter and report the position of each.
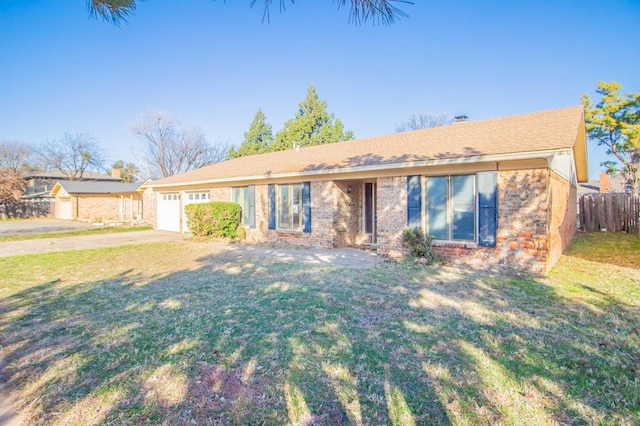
(252, 205)
(272, 206)
(306, 206)
(488, 208)
(414, 201)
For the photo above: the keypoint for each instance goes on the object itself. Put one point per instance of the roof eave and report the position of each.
(546, 154)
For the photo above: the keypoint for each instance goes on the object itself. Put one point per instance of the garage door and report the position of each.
(63, 208)
(169, 212)
(194, 198)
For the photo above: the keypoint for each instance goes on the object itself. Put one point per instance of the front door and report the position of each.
(369, 210)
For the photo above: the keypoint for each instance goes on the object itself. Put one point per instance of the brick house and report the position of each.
(500, 191)
(97, 201)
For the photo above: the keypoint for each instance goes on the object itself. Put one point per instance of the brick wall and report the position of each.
(321, 234)
(347, 208)
(220, 194)
(149, 208)
(392, 214)
(522, 234)
(259, 233)
(563, 211)
(100, 208)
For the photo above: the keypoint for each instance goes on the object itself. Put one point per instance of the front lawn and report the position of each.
(184, 333)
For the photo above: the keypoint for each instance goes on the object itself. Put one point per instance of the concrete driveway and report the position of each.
(39, 226)
(83, 242)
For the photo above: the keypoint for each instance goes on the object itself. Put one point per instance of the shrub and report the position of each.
(419, 245)
(215, 219)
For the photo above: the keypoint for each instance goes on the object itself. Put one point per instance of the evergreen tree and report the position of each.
(312, 125)
(256, 140)
(614, 122)
(128, 172)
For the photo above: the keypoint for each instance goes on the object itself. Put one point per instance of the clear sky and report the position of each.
(214, 64)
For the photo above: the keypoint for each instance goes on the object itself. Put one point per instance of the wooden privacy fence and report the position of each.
(24, 210)
(613, 212)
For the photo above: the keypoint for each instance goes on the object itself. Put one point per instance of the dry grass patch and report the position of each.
(186, 333)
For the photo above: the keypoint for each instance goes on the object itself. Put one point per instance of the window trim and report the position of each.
(278, 193)
(449, 208)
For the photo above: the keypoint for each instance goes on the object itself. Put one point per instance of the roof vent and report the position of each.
(460, 118)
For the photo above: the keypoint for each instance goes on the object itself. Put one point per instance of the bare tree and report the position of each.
(167, 147)
(17, 156)
(16, 160)
(73, 154)
(422, 121)
(381, 11)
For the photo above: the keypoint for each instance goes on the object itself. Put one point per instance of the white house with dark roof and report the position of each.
(499, 191)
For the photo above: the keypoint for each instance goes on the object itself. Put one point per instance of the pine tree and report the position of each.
(312, 125)
(256, 140)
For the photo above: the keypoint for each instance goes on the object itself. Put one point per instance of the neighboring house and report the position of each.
(98, 201)
(607, 183)
(40, 184)
(500, 191)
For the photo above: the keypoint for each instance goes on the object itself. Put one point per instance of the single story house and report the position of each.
(40, 184)
(98, 201)
(499, 191)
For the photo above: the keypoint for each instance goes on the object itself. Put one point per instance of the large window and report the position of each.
(241, 195)
(290, 206)
(451, 207)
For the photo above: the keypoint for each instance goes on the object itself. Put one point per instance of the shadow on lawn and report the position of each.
(242, 340)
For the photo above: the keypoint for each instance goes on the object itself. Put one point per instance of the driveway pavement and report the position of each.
(39, 226)
(82, 242)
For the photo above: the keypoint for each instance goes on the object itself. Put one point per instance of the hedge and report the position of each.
(215, 219)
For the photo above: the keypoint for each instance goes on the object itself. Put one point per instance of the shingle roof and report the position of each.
(57, 174)
(540, 131)
(81, 187)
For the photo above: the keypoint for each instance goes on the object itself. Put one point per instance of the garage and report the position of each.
(62, 208)
(169, 211)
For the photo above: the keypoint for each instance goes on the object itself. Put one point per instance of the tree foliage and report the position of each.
(422, 121)
(128, 172)
(73, 154)
(168, 147)
(312, 125)
(361, 11)
(615, 123)
(256, 140)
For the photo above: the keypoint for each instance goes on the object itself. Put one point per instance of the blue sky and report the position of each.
(214, 64)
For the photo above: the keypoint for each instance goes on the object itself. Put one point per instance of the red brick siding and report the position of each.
(347, 207)
(392, 214)
(562, 227)
(104, 208)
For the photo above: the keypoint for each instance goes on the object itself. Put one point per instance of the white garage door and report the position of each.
(194, 198)
(63, 208)
(169, 212)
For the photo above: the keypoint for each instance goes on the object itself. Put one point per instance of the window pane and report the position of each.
(464, 207)
(437, 208)
(284, 206)
(245, 206)
(296, 206)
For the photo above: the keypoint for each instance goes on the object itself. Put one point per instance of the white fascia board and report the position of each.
(547, 154)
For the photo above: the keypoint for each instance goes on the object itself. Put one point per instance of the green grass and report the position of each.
(187, 332)
(105, 230)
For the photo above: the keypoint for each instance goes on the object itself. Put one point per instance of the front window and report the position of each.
(199, 196)
(290, 206)
(240, 195)
(451, 207)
